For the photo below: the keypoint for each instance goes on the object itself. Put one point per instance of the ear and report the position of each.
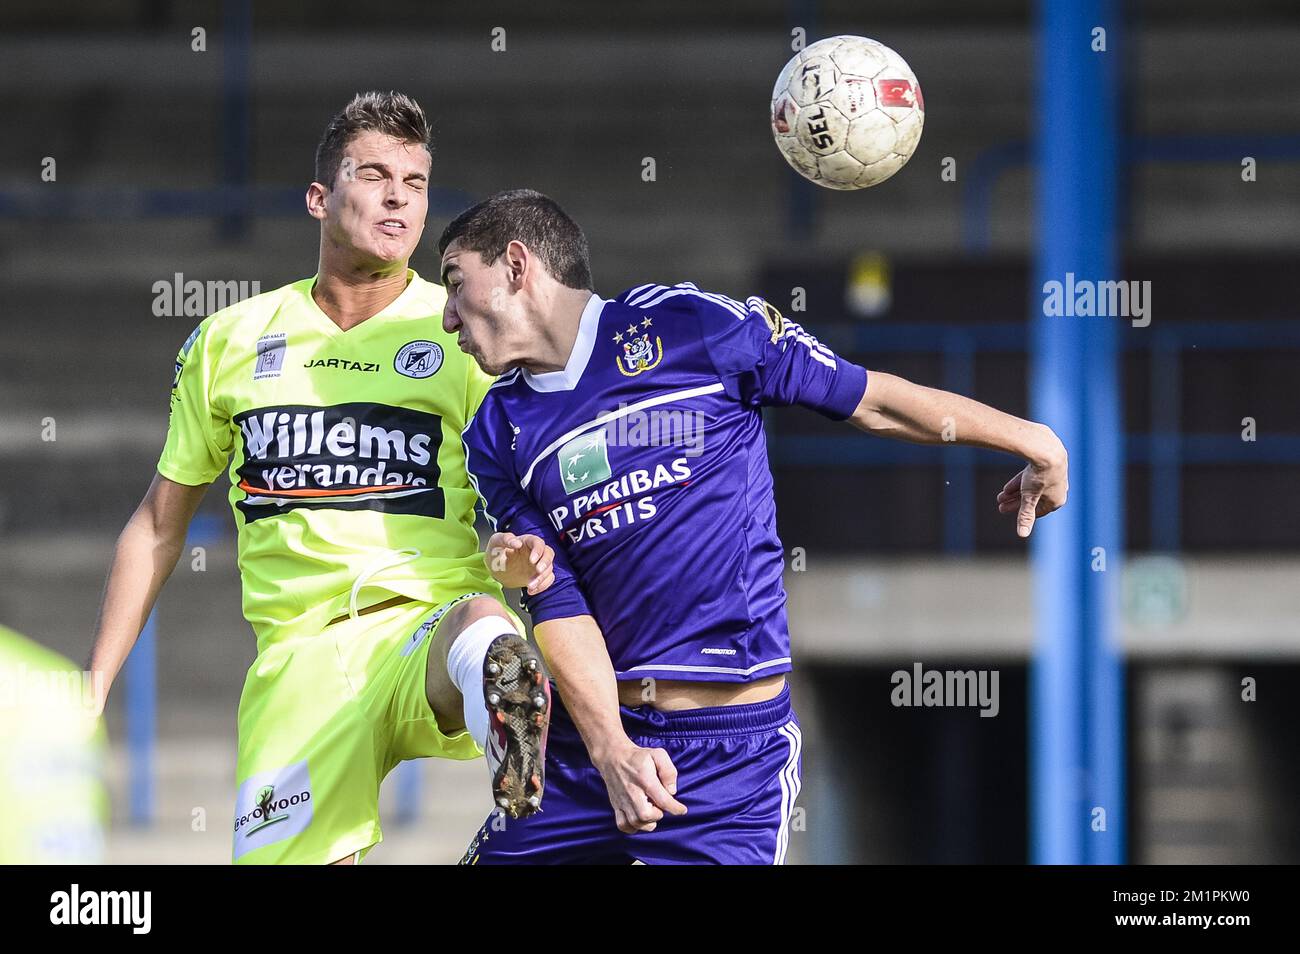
(317, 195)
(519, 260)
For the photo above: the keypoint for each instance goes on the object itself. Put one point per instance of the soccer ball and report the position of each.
(847, 112)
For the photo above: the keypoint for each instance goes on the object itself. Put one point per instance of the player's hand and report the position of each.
(524, 561)
(1038, 489)
(641, 784)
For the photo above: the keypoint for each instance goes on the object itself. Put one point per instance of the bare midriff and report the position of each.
(671, 695)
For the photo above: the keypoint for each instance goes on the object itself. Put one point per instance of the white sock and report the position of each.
(465, 667)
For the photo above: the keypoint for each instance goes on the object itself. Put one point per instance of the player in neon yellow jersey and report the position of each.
(337, 404)
(53, 806)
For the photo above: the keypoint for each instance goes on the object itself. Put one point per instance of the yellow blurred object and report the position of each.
(53, 803)
(868, 291)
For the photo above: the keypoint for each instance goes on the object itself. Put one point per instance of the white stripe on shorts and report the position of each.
(790, 785)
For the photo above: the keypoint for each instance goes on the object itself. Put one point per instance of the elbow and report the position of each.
(161, 533)
(871, 414)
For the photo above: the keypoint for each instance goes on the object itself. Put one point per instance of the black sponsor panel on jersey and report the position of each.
(356, 456)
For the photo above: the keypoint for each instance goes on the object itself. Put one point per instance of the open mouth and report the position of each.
(391, 226)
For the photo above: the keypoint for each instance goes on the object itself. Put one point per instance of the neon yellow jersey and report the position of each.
(344, 452)
(53, 804)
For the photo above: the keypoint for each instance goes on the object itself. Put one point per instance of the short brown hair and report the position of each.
(535, 220)
(394, 114)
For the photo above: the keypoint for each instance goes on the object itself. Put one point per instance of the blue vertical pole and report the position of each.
(141, 721)
(1104, 483)
(1076, 688)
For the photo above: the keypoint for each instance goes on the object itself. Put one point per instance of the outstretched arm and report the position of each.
(767, 360)
(894, 407)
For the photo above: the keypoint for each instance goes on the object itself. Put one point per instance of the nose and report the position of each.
(450, 319)
(396, 197)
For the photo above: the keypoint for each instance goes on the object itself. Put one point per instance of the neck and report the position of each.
(349, 296)
(558, 332)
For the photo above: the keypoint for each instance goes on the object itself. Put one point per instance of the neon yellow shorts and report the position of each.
(323, 719)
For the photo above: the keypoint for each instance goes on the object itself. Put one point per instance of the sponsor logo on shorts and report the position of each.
(273, 810)
(418, 359)
(272, 806)
(270, 357)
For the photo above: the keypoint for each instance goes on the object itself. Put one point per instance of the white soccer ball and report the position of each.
(847, 112)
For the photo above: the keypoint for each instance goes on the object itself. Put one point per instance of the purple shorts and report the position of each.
(738, 773)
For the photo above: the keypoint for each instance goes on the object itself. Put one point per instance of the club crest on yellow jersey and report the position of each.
(418, 359)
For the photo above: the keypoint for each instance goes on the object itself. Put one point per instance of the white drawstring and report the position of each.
(391, 559)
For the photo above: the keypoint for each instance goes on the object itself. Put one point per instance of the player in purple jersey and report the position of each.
(627, 435)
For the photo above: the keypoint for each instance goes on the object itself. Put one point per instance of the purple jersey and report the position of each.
(643, 463)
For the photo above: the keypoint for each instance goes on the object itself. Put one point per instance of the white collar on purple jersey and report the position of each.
(566, 379)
